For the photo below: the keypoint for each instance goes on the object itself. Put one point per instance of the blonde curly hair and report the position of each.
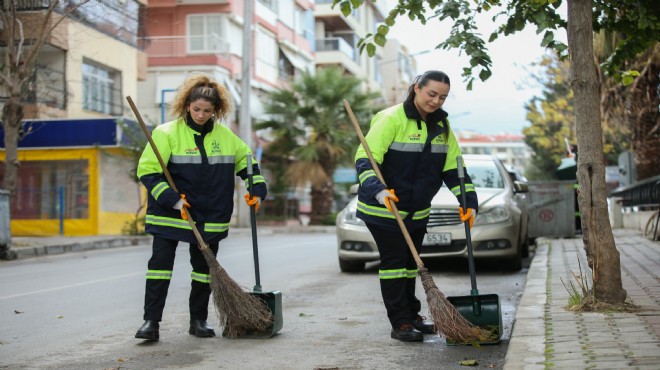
(197, 87)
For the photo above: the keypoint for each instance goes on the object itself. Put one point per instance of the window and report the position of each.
(378, 76)
(205, 33)
(101, 89)
(305, 24)
(484, 174)
(267, 55)
(286, 69)
(46, 187)
(270, 4)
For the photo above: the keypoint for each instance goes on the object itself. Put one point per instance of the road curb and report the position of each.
(54, 249)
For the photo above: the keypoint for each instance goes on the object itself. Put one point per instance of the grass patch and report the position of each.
(582, 298)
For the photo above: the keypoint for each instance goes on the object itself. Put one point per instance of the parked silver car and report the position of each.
(499, 231)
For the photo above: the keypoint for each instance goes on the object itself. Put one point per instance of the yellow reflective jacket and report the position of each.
(415, 158)
(203, 162)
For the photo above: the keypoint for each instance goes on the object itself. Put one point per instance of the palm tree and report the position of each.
(311, 133)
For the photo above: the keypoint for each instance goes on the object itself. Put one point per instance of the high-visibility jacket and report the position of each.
(415, 158)
(203, 162)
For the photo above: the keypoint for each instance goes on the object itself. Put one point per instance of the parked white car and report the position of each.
(499, 231)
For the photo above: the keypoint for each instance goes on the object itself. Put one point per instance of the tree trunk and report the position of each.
(12, 115)
(322, 198)
(602, 255)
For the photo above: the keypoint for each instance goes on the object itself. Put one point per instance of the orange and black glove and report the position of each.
(252, 201)
(467, 216)
(386, 196)
(180, 204)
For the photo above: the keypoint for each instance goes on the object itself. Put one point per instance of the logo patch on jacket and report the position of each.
(215, 147)
(415, 137)
(192, 151)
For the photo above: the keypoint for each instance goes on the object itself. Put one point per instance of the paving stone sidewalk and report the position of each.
(547, 336)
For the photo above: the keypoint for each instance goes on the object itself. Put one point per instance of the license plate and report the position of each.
(437, 239)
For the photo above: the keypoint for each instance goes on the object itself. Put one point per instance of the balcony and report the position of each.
(47, 85)
(185, 50)
(336, 51)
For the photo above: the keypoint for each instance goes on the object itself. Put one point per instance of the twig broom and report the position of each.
(447, 320)
(237, 310)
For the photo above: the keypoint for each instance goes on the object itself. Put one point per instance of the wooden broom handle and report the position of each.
(395, 210)
(198, 236)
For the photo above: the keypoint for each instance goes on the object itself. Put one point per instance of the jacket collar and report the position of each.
(207, 127)
(431, 118)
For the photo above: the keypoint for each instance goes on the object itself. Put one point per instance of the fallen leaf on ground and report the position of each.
(18, 312)
(468, 363)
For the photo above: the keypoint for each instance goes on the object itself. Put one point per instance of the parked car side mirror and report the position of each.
(520, 187)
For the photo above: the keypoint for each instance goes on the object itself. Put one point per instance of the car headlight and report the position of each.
(349, 217)
(493, 215)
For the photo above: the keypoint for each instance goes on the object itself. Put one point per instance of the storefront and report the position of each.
(75, 179)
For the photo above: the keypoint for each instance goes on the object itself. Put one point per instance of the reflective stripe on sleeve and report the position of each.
(159, 189)
(366, 174)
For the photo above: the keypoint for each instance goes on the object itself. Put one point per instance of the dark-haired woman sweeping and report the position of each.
(416, 152)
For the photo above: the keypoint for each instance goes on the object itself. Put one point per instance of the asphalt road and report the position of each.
(81, 311)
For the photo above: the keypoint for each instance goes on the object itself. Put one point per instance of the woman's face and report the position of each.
(431, 97)
(201, 110)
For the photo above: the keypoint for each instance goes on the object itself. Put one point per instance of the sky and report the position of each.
(491, 107)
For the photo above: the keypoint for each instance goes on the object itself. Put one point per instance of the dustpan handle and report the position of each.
(253, 226)
(468, 237)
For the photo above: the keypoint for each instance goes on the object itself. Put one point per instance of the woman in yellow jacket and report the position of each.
(203, 157)
(416, 152)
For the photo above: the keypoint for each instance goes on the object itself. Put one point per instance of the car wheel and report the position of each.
(351, 266)
(524, 245)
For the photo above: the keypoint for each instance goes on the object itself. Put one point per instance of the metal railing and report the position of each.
(645, 193)
(179, 46)
(336, 44)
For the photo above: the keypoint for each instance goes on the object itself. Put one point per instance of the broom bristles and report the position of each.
(447, 320)
(238, 311)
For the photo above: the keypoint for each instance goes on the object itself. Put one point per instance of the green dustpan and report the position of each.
(272, 299)
(482, 310)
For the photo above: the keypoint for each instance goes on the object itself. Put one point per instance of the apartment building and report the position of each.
(72, 170)
(337, 39)
(399, 69)
(201, 36)
(509, 148)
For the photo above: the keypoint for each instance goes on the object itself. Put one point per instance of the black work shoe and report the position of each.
(201, 329)
(407, 333)
(148, 330)
(424, 325)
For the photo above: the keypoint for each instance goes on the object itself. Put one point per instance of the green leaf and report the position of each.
(548, 37)
(371, 50)
(380, 40)
(346, 9)
(485, 74)
(468, 363)
(628, 77)
(383, 30)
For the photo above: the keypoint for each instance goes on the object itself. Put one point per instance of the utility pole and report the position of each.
(245, 119)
